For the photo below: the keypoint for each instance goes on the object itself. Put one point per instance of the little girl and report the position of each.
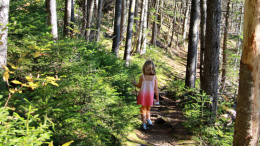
(149, 86)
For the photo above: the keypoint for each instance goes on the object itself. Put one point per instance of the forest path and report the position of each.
(167, 129)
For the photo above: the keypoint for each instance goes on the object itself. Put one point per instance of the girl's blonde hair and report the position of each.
(149, 68)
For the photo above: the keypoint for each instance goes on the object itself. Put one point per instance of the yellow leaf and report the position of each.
(12, 90)
(51, 143)
(6, 76)
(12, 65)
(50, 78)
(33, 85)
(11, 72)
(53, 83)
(1, 43)
(6, 68)
(20, 91)
(47, 46)
(31, 46)
(21, 59)
(68, 143)
(16, 82)
(25, 85)
(28, 78)
(36, 54)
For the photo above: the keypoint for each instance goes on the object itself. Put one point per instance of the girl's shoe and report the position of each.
(144, 127)
(149, 122)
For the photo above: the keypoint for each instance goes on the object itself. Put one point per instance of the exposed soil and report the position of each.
(167, 129)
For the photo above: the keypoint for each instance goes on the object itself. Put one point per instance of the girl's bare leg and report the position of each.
(143, 113)
(148, 112)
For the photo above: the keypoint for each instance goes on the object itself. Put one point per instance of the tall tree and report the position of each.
(116, 35)
(212, 44)
(85, 15)
(136, 15)
(4, 10)
(173, 24)
(193, 44)
(100, 2)
(203, 8)
(140, 29)
(52, 17)
(129, 32)
(72, 15)
(224, 65)
(90, 14)
(248, 102)
(185, 22)
(145, 27)
(67, 17)
(154, 33)
(123, 20)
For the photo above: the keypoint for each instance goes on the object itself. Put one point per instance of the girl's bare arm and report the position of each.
(140, 82)
(156, 91)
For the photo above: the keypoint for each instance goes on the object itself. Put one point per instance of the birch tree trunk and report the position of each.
(116, 40)
(185, 23)
(52, 18)
(100, 2)
(203, 8)
(67, 17)
(192, 47)
(89, 20)
(145, 27)
(224, 65)
(212, 44)
(123, 20)
(154, 33)
(248, 102)
(129, 32)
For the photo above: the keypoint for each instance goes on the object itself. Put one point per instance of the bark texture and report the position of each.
(67, 17)
(100, 2)
(211, 70)
(139, 34)
(193, 44)
(52, 18)
(129, 32)
(123, 20)
(89, 20)
(224, 65)
(116, 40)
(85, 15)
(173, 24)
(145, 27)
(72, 15)
(248, 102)
(4, 11)
(203, 8)
(185, 23)
(154, 33)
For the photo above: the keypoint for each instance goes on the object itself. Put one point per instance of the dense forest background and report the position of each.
(68, 67)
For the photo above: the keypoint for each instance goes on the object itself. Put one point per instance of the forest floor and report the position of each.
(167, 129)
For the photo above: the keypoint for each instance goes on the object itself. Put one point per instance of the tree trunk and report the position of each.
(136, 15)
(139, 34)
(99, 18)
(143, 44)
(247, 118)
(116, 40)
(212, 44)
(173, 23)
(4, 13)
(192, 47)
(52, 18)
(159, 15)
(203, 8)
(129, 32)
(123, 20)
(185, 23)
(67, 17)
(90, 14)
(72, 15)
(85, 15)
(224, 65)
(154, 33)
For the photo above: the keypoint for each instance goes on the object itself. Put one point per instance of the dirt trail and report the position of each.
(167, 129)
